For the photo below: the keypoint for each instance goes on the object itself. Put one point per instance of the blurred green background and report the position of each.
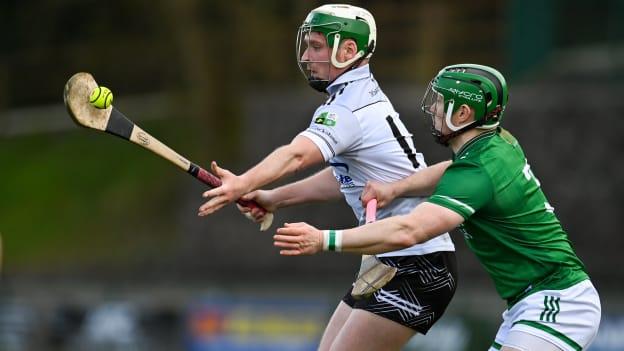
(86, 218)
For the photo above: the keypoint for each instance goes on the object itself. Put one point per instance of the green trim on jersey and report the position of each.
(509, 223)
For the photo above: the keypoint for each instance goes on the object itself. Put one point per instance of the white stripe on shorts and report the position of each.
(398, 302)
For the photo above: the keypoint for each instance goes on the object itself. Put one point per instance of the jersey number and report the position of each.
(528, 175)
(404, 145)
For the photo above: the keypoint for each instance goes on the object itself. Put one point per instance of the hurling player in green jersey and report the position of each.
(491, 194)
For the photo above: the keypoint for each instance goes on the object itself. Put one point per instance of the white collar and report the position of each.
(349, 76)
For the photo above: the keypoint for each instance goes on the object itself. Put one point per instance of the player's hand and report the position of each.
(383, 192)
(296, 239)
(231, 189)
(262, 198)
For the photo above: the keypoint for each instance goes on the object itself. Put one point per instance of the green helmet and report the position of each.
(337, 23)
(482, 88)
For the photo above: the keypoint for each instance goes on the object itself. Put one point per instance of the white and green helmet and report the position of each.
(337, 22)
(483, 88)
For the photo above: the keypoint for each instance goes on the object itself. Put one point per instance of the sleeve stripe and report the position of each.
(457, 202)
(372, 103)
(325, 140)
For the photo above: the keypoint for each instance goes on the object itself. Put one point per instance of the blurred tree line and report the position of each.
(212, 51)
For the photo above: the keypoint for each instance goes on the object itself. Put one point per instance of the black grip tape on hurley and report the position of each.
(119, 125)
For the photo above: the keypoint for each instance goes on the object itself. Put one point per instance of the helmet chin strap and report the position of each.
(318, 85)
(445, 138)
(449, 115)
(455, 130)
(347, 63)
(449, 122)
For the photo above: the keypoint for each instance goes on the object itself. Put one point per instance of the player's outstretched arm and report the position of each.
(425, 222)
(285, 160)
(321, 186)
(421, 183)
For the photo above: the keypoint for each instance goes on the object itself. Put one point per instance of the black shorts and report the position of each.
(418, 294)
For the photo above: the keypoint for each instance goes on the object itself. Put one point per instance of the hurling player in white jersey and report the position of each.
(358, 132)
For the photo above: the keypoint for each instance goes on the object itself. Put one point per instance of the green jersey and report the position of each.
(508, 222)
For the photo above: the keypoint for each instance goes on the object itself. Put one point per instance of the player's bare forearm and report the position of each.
(421, 183)
(285, 160)
(425, 222)
(321, 186)
(299, 154)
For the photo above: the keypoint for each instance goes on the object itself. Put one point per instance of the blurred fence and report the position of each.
(76, 316)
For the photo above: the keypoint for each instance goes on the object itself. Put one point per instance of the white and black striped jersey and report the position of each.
(362, 137)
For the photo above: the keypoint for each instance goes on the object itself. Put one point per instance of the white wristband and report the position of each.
(332, 240)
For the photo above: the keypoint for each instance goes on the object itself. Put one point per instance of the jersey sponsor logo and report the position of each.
(340, 164)
(345, 181)
(374, 92)
(327, 119)
(325, 132)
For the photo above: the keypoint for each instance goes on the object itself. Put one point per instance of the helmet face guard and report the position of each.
(304, 36)
(433, 107)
